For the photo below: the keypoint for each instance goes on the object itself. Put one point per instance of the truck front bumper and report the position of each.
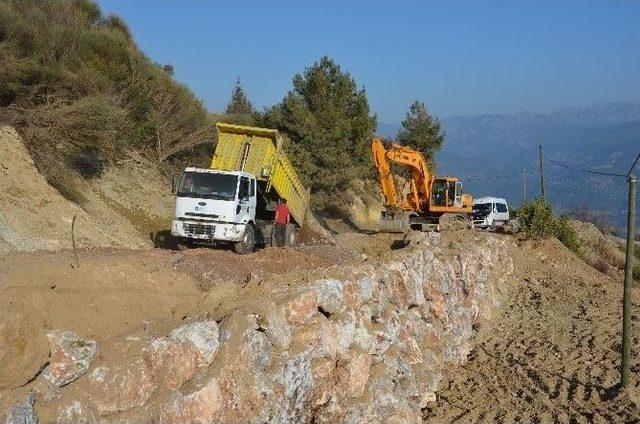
(207, 231)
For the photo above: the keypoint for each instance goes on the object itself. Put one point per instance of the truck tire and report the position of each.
(248, 242)
(291, 235)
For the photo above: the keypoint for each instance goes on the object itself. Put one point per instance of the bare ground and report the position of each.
(116, 291)
(553, 352)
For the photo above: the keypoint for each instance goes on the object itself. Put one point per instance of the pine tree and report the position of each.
(239, 103)
(421, 131)
(327, 117)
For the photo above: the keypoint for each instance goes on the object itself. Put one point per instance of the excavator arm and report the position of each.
(387, 184)
(418, 198)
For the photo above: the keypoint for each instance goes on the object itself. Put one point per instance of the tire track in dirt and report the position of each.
(552, 354)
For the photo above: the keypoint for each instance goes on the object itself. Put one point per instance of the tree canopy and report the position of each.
(421, 131)
(328, 120)
(239, 103)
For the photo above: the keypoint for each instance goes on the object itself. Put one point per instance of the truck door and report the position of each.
(247, 199)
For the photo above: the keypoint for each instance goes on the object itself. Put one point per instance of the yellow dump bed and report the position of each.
(259, 151)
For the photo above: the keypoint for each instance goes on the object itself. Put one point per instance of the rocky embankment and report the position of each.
(368, 343)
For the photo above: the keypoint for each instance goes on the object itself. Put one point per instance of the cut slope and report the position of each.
(117, 210)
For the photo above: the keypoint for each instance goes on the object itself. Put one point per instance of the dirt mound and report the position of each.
(553, 354)
(119, 209)
(604, 252)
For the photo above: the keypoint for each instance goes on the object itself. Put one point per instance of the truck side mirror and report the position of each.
(174, 183)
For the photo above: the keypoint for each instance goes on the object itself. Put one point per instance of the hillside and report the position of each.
(81, 94)
(603, 137)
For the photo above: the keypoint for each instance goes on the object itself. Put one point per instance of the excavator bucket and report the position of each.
(396, 223)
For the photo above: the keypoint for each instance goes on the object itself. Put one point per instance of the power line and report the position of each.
(494, 177)
(588, 171)
(634, 164)
(582, 185)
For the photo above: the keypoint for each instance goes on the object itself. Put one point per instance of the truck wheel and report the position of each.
(291, 235)
(183, 245)
(248, 241)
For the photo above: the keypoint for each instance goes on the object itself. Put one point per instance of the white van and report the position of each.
(490, 212)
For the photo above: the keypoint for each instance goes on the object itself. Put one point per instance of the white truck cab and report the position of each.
(490, 212)
(214, 205)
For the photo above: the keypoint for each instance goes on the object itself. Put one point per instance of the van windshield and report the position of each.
(482, 208)
(206, 185)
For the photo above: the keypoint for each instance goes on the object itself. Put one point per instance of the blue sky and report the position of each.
(459, 57)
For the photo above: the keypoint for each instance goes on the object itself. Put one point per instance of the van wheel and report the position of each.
(291, 235)
(248, 242)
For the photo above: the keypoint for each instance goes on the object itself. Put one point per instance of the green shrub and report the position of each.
(538, 221)
(74, 82)
(567, 234)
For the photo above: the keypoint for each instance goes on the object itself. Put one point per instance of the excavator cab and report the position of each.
(446, 192)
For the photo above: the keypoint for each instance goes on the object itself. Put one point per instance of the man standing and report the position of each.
(280, 222)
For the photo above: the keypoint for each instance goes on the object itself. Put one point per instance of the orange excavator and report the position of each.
(427, 197)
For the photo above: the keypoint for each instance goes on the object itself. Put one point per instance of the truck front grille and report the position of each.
(199, 229)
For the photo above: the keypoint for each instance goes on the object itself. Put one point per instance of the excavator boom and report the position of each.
(387, 184)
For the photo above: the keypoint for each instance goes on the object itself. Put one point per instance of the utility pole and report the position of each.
(541, 173)
(524, 185)
(628, 277)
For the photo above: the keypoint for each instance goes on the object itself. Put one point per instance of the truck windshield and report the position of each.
(206, 185)
(482, 208)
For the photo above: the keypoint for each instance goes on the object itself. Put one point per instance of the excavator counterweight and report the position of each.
(426, 199)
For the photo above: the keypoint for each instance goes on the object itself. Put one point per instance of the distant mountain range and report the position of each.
(484, 150)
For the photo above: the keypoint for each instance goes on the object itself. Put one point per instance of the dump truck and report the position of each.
(233, 202)
(427, 198)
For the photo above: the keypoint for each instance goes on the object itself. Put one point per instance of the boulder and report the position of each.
(202, 406)
(70, 357)
(329, 413)
(408, 347)
(256, 350)
(345, 328)
(296, 380)
(353, 373)
(394, 280)
(330, 295)
(323, 373)
(204, 337)
(240, 366)
(352, 296)
(77, 413)
(23, 412)
(300, 307)
(318, 337)
(276, 327)
(121, 388)
(171, 362)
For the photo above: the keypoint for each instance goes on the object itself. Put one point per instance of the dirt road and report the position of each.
(553, 353)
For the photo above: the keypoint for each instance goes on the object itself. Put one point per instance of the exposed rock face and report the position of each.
(367, 344)
(70, 357)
